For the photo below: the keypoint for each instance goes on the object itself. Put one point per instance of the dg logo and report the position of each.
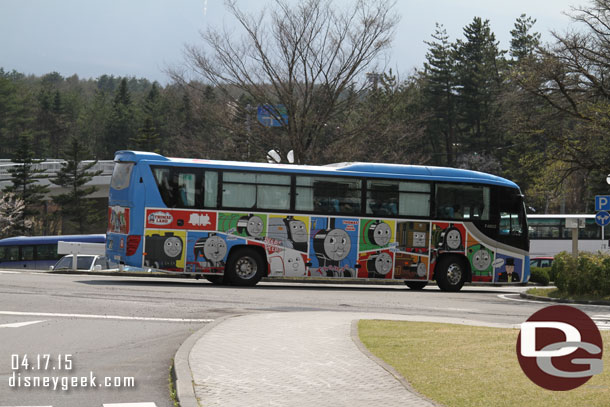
(560, 348)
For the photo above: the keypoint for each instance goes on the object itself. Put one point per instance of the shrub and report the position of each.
(539, 275)
(589, 274)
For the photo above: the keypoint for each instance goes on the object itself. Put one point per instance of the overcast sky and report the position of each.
(142, 37)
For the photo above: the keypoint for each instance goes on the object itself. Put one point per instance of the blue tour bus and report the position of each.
(236, 222)
(38, 252)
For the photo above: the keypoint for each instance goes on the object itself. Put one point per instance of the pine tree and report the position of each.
(439, 92)
(120, 126)
(148, 136)
(479, 67)
(25, 181)
(74, 175)
(524, 43)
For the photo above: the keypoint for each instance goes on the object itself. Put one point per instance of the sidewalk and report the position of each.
(291, 359)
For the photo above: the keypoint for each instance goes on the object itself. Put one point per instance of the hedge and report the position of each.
(539, 275)
(587, 274)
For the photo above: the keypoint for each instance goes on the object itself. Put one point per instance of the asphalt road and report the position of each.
(124, 331)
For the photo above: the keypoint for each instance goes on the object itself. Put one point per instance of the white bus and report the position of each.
(549, 236)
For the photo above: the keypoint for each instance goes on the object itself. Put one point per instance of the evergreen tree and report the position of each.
(148, 136)
(25, 182)
(120, 126)
(524, 43)
(439, 95)
(74, 175)
(479, 70)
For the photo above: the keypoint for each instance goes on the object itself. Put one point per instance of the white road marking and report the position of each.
(504, 297)
(130, 405)
(19, 324)
(93, 316)
(602, 321)
(9, 272)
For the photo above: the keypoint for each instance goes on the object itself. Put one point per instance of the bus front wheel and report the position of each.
(416, 285)
(450, 273)
(245, 267)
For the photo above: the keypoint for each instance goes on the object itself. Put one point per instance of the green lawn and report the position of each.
(555, 293)
(459, 365)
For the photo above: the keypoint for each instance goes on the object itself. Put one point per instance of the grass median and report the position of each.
(458, 365)
(555, 293)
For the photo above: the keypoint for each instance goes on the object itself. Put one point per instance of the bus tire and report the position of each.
(245, 267)
(451, 273)
(215, 279)
(416, 285)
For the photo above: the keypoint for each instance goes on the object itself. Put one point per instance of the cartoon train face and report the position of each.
(380, 233)
(290, 232)
(480, 258)
(163, 251)
(213, 248)
(297, 230)
(331, 246)
(451, 239)
(251, 225)
(379, 264)
(294, 266)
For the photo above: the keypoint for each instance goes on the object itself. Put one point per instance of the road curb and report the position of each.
(384, 365)
(183, 378)
(563, 300)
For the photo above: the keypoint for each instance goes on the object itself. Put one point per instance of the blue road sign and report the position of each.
(602, 218)
(602, 203)
(272, 115)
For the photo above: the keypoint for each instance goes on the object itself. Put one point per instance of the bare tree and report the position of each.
(310, 57)
(11, 212)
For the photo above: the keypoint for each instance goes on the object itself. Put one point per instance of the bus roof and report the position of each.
(25, 240)
(560, 216)
(357, 169)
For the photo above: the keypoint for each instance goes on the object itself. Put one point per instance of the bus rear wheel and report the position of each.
(416, 285)
(450, 273)
(215, 279)
(245, 267)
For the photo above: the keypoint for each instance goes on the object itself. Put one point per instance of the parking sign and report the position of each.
(602, 203)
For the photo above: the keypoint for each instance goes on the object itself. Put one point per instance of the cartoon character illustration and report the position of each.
(451, 239)
(509, 274)
(292, 233)
(213, 248)
(413, 236)
(379, 265)
(163, 251)
(251, 225)
(410, 267)
(294, 265)
(379, 233)
(331, 246)
(480, 258)
(288, 263)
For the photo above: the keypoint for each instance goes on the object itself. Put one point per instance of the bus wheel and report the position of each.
(450, 273)
(245, 267)
(216, 280)
(416, 285)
